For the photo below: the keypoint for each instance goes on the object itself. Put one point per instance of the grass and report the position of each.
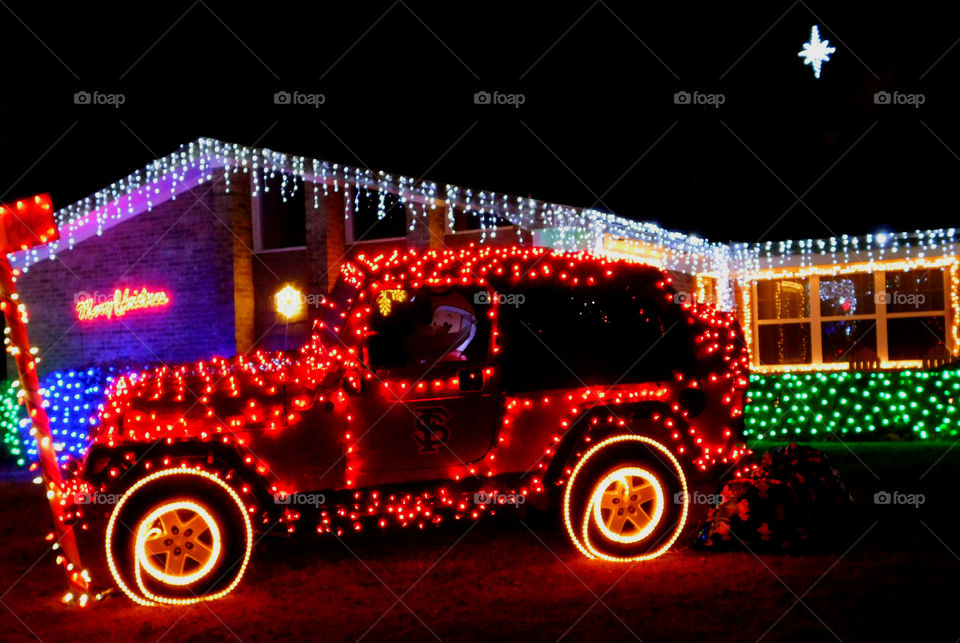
(511, 578)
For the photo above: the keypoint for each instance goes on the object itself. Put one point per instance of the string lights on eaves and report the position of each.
(561, 227)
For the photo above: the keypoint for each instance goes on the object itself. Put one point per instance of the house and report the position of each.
(183, 259)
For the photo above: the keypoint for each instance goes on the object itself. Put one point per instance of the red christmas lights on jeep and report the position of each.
(436, 386)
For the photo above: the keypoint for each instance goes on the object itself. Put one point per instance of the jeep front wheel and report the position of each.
(626, 500)
(178, 536)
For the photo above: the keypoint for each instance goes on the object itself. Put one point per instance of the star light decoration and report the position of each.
(816, 52)
(289, 301)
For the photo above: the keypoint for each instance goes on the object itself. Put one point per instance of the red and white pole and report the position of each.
(15, 221)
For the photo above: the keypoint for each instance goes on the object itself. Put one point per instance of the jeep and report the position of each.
(436, 386)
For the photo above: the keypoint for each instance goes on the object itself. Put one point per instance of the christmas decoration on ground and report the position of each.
(792, 500)
(425, 395)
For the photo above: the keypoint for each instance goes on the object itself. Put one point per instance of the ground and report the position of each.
(513, 578)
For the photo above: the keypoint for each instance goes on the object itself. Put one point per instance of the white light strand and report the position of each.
(558, 226)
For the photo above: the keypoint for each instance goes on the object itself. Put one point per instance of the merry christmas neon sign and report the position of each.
(123, 301)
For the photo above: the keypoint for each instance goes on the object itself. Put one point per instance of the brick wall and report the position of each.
(199, 248)
(180, 246)
(234, 212)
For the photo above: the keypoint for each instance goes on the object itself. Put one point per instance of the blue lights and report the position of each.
(73, 399)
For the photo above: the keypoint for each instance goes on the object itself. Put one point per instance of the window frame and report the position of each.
(256, 220)
(880, 316)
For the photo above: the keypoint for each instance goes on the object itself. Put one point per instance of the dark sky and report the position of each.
(598, 127)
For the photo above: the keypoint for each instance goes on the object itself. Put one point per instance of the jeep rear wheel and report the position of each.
(626, 500)
(178, 536)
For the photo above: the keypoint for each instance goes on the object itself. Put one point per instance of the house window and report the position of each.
(280, 214)
(916, 311)
(848, 321)
(913, 291)
(784, 321)
(834, 319)
(378, 214)
(916, 337)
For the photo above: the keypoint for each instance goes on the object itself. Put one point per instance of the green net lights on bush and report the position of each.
(10, 421)
(907, 404)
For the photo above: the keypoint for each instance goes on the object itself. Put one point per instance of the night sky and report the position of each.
(785, 156)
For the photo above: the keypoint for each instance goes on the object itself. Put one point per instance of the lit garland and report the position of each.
(549, 224)
(195, 163)
(231, 397)
(210, 417)
(849, 405)
(778, 407)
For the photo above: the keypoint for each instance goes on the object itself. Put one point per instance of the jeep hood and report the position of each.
(209, 397)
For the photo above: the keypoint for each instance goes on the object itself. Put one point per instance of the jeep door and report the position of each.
(430, 409)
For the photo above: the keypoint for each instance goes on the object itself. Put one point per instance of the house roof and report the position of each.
(558, 225)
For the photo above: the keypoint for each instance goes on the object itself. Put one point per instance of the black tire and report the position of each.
(175, 525)
(652, 510)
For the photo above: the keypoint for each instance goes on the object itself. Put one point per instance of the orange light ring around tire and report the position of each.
(143, 531)
(149, 598)
(585, 547)
(597, 496)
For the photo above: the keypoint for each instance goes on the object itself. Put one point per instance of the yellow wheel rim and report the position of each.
(627, 505)
(178, 543)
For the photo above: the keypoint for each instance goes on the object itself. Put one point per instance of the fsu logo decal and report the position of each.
(430, 428)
